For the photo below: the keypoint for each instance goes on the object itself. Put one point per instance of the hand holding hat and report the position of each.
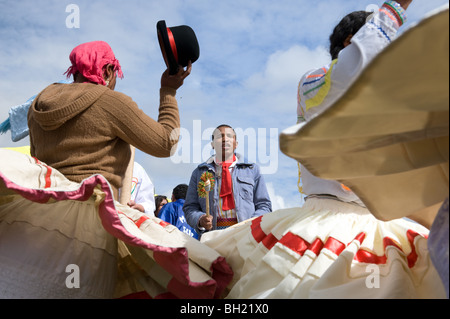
(176, 80)
(179, 46)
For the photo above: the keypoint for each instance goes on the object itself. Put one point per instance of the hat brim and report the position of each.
(166, 49)
(387, 137)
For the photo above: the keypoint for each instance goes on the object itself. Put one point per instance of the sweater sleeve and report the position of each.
(132, 125)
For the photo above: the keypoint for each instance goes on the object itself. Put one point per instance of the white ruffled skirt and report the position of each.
(60, 239)
(327, 249)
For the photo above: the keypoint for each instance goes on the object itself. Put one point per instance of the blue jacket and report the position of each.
(249, 190)
(173, 214)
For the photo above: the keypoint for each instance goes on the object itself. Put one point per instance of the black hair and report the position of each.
(158, 200)
(349, 25)
(179, 192)
(222, 125)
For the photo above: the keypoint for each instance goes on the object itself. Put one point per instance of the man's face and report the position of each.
(224, 143)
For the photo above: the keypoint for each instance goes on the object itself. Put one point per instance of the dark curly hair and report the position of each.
(349, 25)
(179, 192)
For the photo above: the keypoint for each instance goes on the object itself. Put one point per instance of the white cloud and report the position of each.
(284, 68)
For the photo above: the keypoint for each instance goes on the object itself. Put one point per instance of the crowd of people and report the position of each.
(86, 127)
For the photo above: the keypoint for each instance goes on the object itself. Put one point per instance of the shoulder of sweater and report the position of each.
(116, 95)
(124, 98)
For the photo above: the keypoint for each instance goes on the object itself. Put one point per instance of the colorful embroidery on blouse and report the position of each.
(389, 14)
(134, 183)
(319, 89)
(300, 115)
(396, 11)
(379, 28)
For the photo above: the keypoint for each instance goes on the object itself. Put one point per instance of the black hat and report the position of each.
(179, 45)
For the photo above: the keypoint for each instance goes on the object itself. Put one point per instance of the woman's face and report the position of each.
(163, 202)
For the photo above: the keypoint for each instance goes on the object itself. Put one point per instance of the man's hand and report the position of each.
(206, 222)
(176, 80)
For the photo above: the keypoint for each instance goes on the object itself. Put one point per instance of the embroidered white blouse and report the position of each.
(320, 88)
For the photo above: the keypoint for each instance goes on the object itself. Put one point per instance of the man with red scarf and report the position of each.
(239, 191)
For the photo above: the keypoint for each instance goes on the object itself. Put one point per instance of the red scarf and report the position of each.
(226, 189)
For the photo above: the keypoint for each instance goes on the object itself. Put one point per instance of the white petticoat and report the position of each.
(60, 239)
(42, 254)
(327, 249)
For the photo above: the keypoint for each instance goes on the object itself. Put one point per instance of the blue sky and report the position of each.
(252, 55)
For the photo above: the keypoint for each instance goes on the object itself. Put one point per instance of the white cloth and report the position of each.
(143, 190)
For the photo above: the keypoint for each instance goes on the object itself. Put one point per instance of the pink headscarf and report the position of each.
(90, 58)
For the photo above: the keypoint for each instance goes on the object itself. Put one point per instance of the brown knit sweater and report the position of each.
(83, 129)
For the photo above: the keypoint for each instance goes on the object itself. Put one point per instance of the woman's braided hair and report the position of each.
(349, 25)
